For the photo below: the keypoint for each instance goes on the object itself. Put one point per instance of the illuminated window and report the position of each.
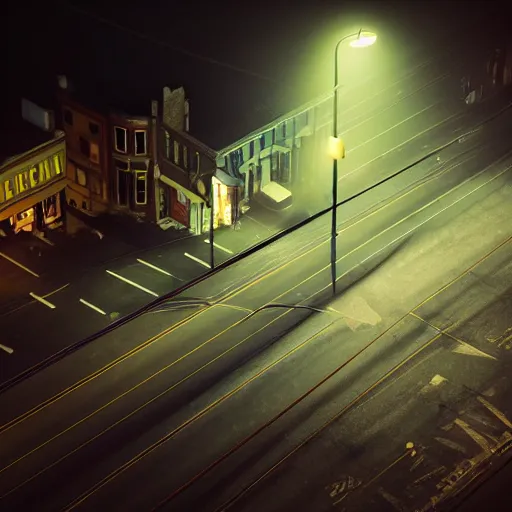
(141, 187)
(140, 142)
(167, 146)
(198, 162)
(176, 152)
(81, 177)
(120, 139)
(185, 157)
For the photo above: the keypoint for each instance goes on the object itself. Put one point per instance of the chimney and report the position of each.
(174, 108)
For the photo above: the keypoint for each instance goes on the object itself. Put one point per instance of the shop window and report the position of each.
(94, 155)
(81, 177)
(94, 128)
(182, 198)
(185, 157)
(25, 215)
(140, 142)
(50, 206)
(85, 147)
(120, 143)
(68, 117)
(141, 187)
(176, 152)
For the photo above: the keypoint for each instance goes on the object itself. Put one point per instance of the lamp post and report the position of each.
(361, 39)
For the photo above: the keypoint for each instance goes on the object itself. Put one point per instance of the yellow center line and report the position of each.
(229, 296)
(330, 421)
(192, 419)
(235, 346)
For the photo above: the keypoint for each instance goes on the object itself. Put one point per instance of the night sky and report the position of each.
(244, 64)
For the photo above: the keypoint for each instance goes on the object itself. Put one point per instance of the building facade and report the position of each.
(87, 167)
(32, 182)
(268, 160)
(132, 165)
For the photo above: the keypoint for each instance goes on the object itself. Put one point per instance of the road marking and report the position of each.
(451, 444)
(42, 301)
(132, 283)
(171, 434)
(219, 247)
(92, 306)
(247, 286)
(476, 436)
(464, 347)
(201, 262)
(495, 411)
(9, 350)
(154, 267)
(19, 264)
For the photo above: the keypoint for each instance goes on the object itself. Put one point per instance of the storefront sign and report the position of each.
(32, 178)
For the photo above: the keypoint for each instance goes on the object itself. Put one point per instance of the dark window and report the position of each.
(140, 142)
(120, 139)
(273, 136)
(262, 142)
(283, 128)
(68, 117)
(251, 149)
(94, 128)
(85, 147)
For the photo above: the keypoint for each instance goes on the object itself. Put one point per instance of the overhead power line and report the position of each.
(166, 44)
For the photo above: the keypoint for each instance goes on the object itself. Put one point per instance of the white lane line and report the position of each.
(132, 283)
(42, 301)
(154, 267)
(9, 350)
(19, 264)
(219, 247)
(201, 262)
(92, 306)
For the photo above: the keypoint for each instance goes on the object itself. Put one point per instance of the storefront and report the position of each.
(226, 198)
(182, 205)
(31, 188)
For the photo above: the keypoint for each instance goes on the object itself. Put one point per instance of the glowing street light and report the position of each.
(361, 39)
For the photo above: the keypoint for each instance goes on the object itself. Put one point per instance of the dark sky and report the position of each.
(285, 48)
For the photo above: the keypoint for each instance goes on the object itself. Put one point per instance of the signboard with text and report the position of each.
(32, 178)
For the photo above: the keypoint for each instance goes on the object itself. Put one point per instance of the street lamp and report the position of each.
(360, 39)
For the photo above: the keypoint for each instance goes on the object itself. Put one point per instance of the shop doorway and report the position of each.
(125, 187)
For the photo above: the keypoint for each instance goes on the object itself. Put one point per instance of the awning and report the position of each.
(227, 179)
(28, 202)
(276, 192)
(194, 198)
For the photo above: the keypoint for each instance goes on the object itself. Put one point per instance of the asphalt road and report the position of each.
(69, 312)
(153, 404)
